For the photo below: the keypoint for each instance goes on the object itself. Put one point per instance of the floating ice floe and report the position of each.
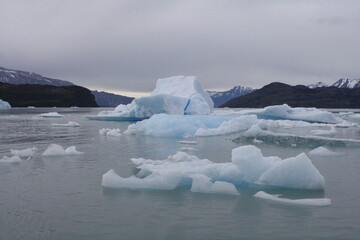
(286, 138)
(346, 114)
(69, 124)
(249, 168)
(188, 149)
(28, 152)
(324, 152)
(51, 115)
(182, 95)
(188, 142)
(13, 159)
(321, 132)
(307, 202)
(57, 150)
(303, 114)
(4, 105)
(110, 132)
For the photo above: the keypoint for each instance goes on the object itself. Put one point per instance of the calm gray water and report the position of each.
(62, 197)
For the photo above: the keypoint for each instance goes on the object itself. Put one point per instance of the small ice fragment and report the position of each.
(13, 159)
(188, 142)
(188, 149)
(306, 201)
(110, 132)
(28, 152)
(69, 124)
(51, 115)
(324, 152)
(257, 141)
(203, 184)
(57, 150)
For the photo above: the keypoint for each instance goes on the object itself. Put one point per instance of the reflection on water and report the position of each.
(62, 197)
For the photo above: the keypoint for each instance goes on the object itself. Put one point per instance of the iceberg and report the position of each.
(304, 114)
(28, 152)
(13, 159)
(306, 202)
(321, 132)
(4, 105)
(110, 132)
(324, 152)
(181, 95)
(69, 124)
(51, 115)
(249, 168)
(57, 150)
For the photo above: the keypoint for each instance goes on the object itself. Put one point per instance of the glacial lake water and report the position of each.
(62, 197)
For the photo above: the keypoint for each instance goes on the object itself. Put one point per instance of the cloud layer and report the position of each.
(127, 45)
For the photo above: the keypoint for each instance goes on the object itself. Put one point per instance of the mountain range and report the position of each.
(220, 98)
(341, 83)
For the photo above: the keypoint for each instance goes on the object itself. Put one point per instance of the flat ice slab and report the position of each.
(51, 115)
(307, 202)
(68, 124)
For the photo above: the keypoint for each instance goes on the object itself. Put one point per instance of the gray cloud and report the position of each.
(127, 45)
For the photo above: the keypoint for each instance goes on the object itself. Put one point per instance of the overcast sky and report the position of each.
(127, 45)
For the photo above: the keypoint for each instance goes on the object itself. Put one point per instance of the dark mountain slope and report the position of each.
(46, 95)
(298, 96)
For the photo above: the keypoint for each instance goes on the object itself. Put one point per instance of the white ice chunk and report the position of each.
(309, 201)
(324, 152)
(286, 112)
(188, 149)
(69, 124)
(116, 132)
(321, 132)
(13, 159)
(188, 142)
(4, 105)
(203, 184)
(28, 152)
(57, 150)
(51, 115)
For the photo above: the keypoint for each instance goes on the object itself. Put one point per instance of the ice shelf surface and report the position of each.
(28, 152)
(324, 152)
(4, 105)
(57, 150)
(307, 202)
(182, 95)
(249, 168)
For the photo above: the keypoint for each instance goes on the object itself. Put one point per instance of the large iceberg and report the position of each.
(4, 105)
(181, 95)
(249, 168)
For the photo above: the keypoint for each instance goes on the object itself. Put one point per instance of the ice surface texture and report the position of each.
(57, 150)
(308, 202)
(249, 168)
(181, 95)
(4, 105)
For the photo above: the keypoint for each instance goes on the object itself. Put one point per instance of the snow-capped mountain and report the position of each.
(317, 85)
(220, 98)
(21, 77)
(347, 83)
